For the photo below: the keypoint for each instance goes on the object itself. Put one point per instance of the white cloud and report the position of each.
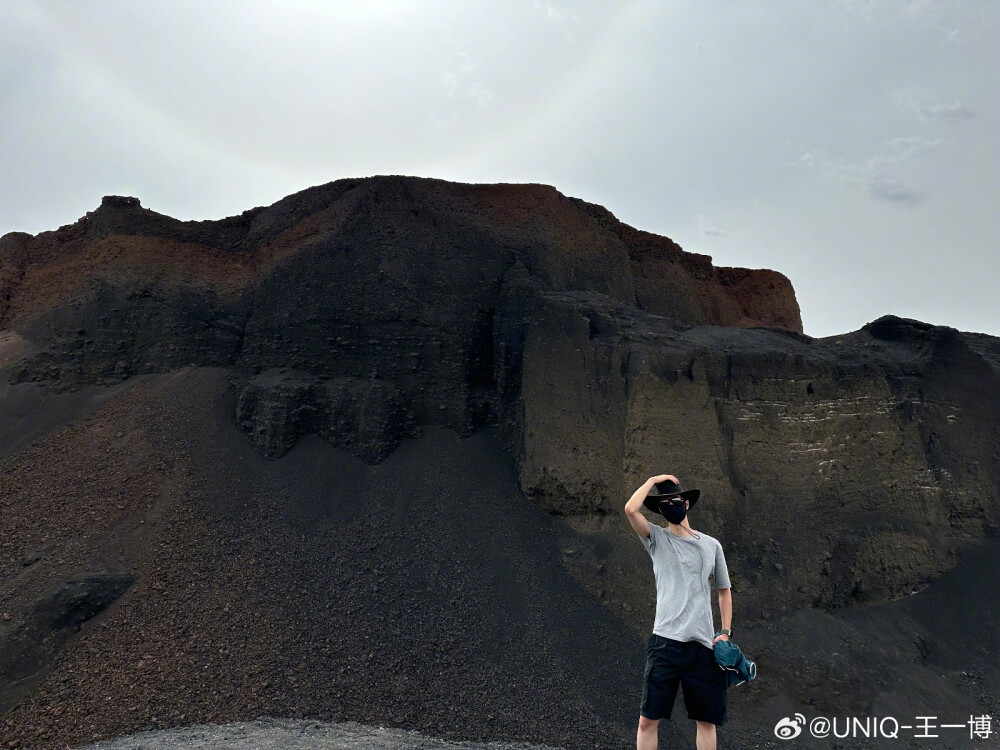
(919, 8)
(559, 18)
(917, 101)
(876, 173)
(709, 231)
(949, 17)
(890, 190)
(479, 94)
(460, 81)
(905, 148)
(955, 111)
(863, 8)
(952, 36)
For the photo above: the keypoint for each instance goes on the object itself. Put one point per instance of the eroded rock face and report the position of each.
(366, 417)
(838, 471)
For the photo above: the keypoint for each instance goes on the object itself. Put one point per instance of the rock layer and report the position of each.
(387, 279)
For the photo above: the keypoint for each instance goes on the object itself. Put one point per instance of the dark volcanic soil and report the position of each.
(315, 586)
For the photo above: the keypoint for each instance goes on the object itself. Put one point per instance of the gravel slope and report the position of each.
(425, 592)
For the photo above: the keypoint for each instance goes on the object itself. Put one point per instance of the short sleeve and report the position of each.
(650, 542)
(721, 570)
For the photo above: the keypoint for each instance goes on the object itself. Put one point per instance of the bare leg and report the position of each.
(646, 737)
(705, 738)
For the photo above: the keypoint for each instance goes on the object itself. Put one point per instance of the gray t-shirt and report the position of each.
(682, 566)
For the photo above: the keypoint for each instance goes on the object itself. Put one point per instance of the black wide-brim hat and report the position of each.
(667, 489)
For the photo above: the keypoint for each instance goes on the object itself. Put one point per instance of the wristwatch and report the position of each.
(726, 631)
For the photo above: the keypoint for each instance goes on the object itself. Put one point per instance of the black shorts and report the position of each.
(691, 664)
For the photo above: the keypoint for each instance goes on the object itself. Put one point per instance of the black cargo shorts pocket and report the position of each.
(650, 648)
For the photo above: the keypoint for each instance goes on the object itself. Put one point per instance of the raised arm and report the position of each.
(633, 508)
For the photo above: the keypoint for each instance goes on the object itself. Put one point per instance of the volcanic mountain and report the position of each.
(363, 454)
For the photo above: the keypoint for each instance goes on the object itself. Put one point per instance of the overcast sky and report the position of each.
(850, 144)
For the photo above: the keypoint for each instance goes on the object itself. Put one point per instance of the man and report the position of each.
(680, 648)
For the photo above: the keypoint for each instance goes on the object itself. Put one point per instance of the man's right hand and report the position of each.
(664, 478)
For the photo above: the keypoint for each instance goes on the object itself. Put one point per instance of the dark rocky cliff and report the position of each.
(838, 472)
(358, 310)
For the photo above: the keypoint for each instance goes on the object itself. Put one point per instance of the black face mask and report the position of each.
(674, 512)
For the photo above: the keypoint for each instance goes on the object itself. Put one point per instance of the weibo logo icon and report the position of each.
(789, 729)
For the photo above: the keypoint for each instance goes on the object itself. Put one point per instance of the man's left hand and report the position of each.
(720, 638)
